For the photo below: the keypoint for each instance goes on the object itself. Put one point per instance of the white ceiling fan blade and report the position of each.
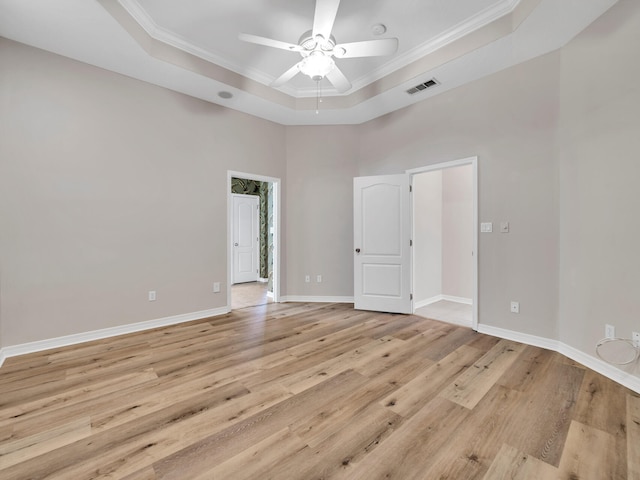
(286, 76)
(269, 42)
(367, 48)
(338, 80)
(324, 17)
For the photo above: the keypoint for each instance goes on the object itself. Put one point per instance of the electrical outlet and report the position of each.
(636, 339)
(609, 331)
(515, 307)
(152, 295)
(319, 278)
(216, 287)
(307, 278)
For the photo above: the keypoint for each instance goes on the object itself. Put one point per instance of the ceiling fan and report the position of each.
(318, 49)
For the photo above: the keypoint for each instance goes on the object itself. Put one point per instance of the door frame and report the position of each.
(276, 229)
(473, 161)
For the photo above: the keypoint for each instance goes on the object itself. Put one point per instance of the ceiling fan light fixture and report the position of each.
(317, 65)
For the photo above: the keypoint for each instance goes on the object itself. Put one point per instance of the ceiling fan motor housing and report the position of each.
(309, 43)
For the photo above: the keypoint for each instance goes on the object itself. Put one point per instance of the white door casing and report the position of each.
(246, 245)
(382, 236)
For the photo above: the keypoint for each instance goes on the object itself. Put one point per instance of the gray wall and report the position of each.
(319, 213)
(599, 158)
(110, 187)
(509, 120)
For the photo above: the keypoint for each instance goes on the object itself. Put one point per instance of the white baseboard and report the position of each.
(438, 298)
(315, 299)
(38, 346)
(594, 363)
(526, 338)
(428, 301)
(451, 298)
(612, 372)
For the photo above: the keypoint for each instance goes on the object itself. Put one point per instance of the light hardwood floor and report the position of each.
(313, 391)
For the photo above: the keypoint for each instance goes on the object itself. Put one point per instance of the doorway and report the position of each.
(385, 268)
(253, 276)
(445, 237)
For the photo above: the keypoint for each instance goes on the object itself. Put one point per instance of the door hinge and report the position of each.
(410, 188)
(411, 296)
(411, 243)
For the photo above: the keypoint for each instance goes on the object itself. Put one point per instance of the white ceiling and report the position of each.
(192, 46)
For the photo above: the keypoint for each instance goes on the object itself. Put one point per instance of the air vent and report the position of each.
(423, 86)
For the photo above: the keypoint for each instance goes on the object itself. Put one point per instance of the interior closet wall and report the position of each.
(427, 231)
(443, 234)
(457, 232)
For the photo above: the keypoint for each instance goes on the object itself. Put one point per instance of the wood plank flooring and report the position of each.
(312, 391)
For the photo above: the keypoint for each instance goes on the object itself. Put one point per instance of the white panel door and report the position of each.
(382, 252)
(246, 229)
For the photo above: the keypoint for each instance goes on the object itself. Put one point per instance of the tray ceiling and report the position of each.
(192, 46)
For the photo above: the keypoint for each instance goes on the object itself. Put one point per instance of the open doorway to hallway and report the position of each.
(253, 226)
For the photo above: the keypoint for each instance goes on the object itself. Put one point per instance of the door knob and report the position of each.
(357, 250)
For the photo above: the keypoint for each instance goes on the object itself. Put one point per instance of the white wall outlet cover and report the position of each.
(216, 287)
(515, 307)
(152, 295)
(636, 339)
(504, 227)
(319, 278)
(609, 331)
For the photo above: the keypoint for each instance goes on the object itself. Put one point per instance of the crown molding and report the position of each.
(163, 35)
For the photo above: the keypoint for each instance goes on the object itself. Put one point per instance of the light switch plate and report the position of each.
(486, 227)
